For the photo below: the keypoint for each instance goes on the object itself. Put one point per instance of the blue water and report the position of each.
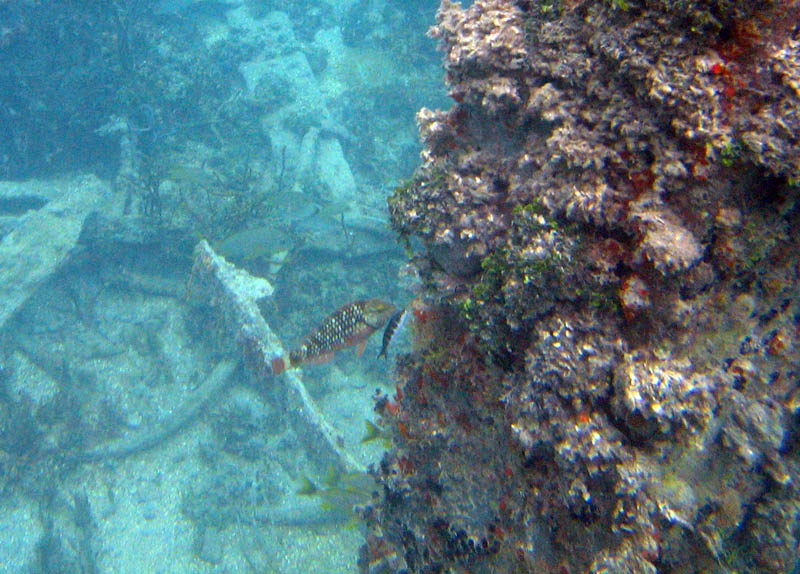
(131, 131)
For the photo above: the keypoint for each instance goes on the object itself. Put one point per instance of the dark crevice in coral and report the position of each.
(768, 190)
(637, 432)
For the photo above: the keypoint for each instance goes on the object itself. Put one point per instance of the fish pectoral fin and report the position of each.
(361, 347)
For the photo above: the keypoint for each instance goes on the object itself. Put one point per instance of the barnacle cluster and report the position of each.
(605, 371)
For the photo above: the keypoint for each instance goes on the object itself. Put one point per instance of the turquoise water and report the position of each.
(134, 436)
(587, 294)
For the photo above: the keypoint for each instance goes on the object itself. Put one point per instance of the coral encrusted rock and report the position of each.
(604, 376)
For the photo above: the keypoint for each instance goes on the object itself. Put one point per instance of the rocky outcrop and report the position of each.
(605, 370)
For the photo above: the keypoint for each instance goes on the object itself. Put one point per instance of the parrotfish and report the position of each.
(350, 325)
(395, 323)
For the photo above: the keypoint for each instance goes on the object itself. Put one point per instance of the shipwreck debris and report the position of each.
(235, 293)
(42, 221)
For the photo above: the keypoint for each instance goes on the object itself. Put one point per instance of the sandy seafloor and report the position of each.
(136, 503)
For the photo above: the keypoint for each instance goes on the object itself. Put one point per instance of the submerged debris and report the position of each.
(236, 292)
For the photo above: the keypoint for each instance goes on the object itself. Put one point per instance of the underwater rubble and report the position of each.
(237, 293)
(130, 435)
(125, 418)
(605, 367)
(46, 217)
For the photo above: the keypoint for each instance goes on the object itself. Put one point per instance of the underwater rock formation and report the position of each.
(605, 369)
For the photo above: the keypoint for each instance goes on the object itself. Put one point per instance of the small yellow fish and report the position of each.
(374, 432)
(340, 493)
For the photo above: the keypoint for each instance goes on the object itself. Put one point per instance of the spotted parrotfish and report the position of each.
(347, 326)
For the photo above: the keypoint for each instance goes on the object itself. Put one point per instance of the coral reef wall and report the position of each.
(605, 370)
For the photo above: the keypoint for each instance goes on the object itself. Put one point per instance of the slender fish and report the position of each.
(395, 323)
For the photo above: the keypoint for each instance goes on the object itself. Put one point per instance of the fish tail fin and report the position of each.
(372, 432)
(278, 365)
